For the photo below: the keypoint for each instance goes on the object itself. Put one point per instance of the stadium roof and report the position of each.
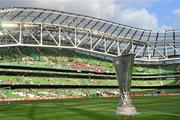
(51, 28)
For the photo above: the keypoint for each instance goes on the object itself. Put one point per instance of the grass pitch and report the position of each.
(151, 108)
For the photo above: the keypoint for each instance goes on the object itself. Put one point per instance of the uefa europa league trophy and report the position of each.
(123, 66)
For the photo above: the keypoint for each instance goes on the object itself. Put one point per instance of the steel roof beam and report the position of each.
(101, 27)
(108, 28)
(64, 20)
(80, 22)
(155, 44)
(16, 15)
(46, 17)
(94, 25)
(132, 42)
(73, 21)
(37, 16)
(139, 40)
(87, 23)
(174, 41)
(52, 22)
(27, 16)
(147, 44)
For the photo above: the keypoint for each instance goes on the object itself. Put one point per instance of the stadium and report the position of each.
(61, 65)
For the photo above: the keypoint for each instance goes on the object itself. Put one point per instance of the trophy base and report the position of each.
(126, 111)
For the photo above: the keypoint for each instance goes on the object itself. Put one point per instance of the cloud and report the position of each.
(138, 18)
(96, 8)
(165, 27)
(123, 11)
(176, 12)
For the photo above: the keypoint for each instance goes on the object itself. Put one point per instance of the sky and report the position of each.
(149, 14)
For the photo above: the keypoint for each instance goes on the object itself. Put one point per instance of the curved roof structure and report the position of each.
(51, 28)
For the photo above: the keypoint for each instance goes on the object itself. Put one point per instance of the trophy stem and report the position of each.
(123, 66)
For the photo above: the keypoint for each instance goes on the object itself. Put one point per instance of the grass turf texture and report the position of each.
(151, 108)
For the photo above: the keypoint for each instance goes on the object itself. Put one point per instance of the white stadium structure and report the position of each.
(35, 27)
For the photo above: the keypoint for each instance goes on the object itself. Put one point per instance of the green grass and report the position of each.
(151, 108)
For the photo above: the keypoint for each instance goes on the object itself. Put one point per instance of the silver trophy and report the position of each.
(123, 66)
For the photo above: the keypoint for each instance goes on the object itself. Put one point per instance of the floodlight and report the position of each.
(1, 33)
(9, 25)
(30, 25)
